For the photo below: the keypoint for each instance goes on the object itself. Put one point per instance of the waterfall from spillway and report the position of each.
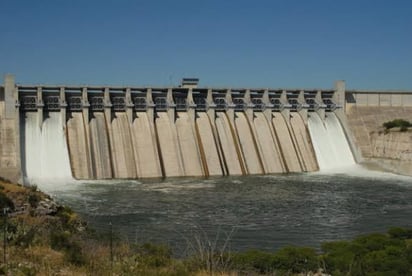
(329, 141)
(45, 151)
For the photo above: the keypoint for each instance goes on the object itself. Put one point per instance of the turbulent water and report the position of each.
(329, 142)
(264, 212)
(45, 154)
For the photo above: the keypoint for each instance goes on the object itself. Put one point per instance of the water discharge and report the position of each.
(329, 142)
(45, 149)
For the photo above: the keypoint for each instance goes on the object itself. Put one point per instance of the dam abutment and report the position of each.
(10, 153)
(365, 112)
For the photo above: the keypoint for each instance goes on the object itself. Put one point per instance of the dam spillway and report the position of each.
(330, 144)
(131, 133)
(173, 133)
(44, 148)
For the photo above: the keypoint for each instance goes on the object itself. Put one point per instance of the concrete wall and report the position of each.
(390, 150)
(9, 132)
(378, 98)
(366, 111)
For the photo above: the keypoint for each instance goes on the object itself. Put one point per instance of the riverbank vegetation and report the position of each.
(44, 238)
(397, 123)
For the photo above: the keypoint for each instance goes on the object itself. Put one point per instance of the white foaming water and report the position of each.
(45, 154)
(330, 144)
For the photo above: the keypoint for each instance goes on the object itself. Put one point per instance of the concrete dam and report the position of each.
(88, 132)
(121, 132)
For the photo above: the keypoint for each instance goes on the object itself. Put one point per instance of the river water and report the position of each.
(264, 212)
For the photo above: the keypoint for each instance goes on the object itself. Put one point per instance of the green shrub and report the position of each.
(65, 214)
(254, 260)
(5, 180)
(400, 233)
(33, 200)
(153, 255)
(337, 256)
(26, 270)
(63, 240)
(60, 240)
(74, 254)
(24, 238)
(375, 241)
(373, 254)
(5, 202)
(403, 124)
(297, 259)
(33, 188)
(389, 261)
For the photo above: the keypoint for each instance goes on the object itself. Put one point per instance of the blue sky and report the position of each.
(368, 43)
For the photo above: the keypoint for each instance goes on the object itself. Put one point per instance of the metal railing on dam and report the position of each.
(131, 132)
(75, 99)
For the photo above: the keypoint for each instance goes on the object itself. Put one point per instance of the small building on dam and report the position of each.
(94, 132)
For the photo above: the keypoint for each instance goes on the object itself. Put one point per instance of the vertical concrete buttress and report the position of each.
(10, 96)
(171, 110)
(230, 112)
(318, 99)
(339, 99)
(40, 105)
(63, 105)
(10, 158)
(284, 101)
(302, 111)
(191, 105)
(266, 102)
(339, 95)
(210, 106)
(107, 106)
(86, 120)
(150, 106)
(248, 102)
(129, 105)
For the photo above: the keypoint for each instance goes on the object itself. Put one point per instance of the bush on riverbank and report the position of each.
(401, 123)
(373, 254)
(44, 239)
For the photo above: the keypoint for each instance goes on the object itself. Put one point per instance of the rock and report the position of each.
(46, 207)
